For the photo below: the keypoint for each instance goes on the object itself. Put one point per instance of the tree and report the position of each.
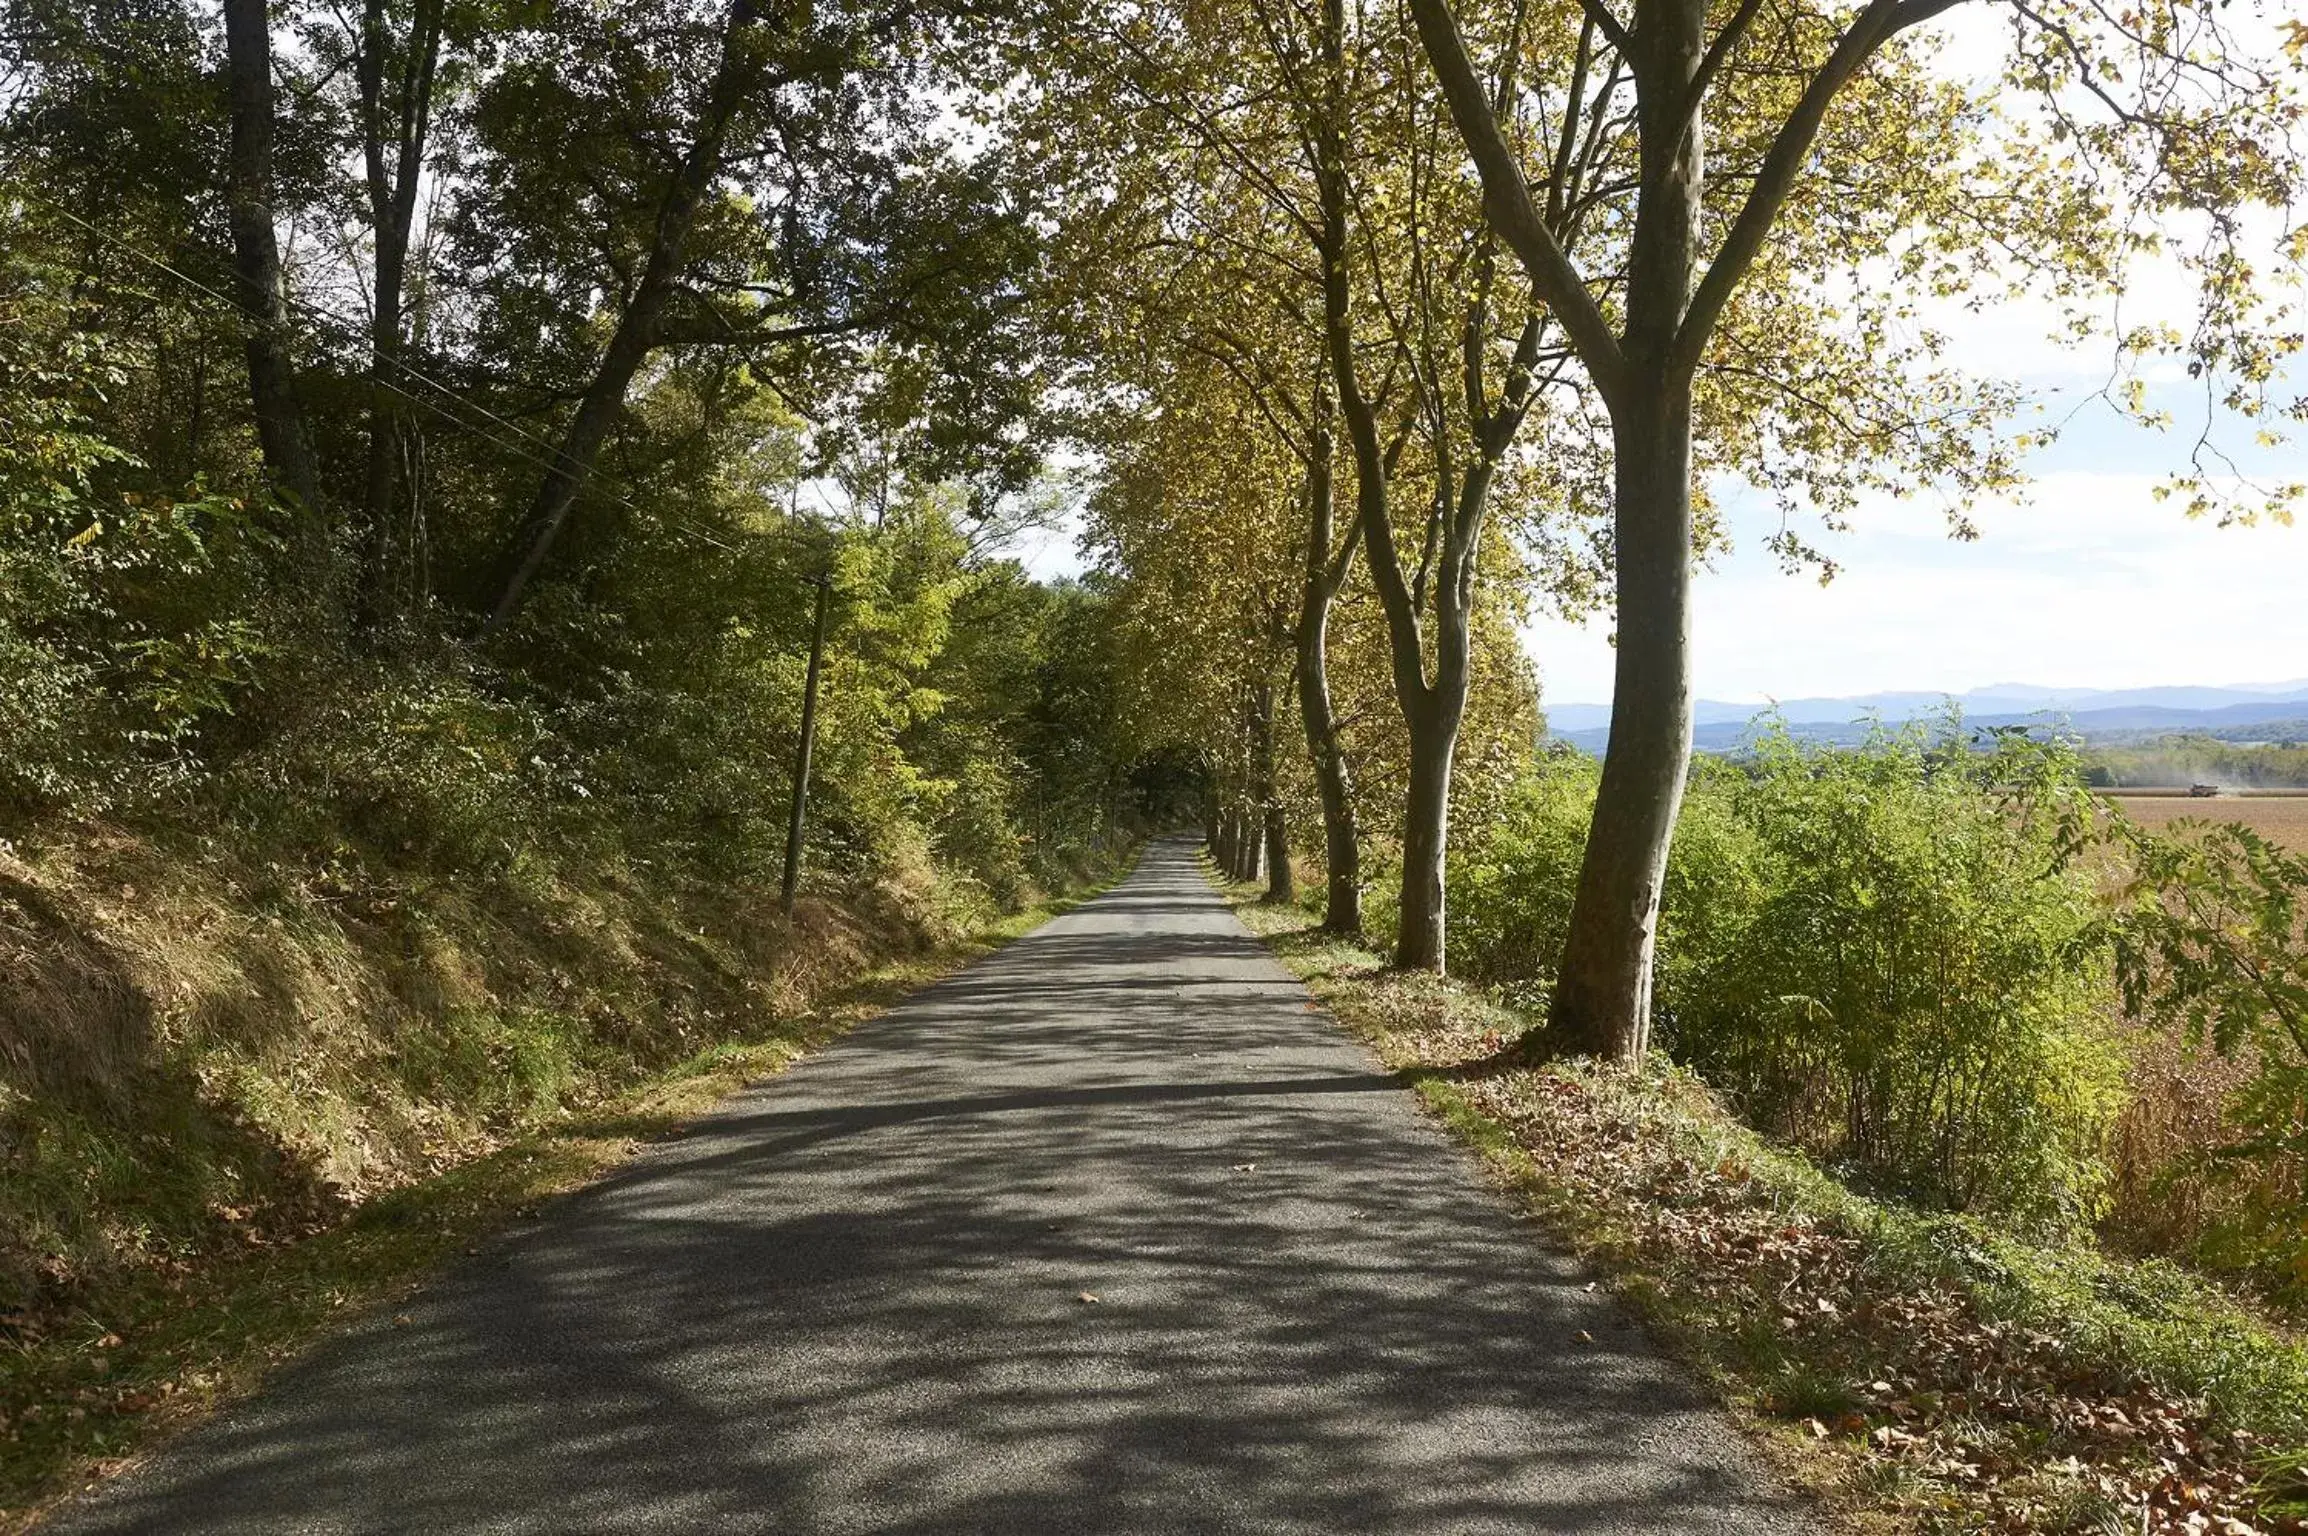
(1469, 424)
(396, 76)
(2197, 131)
(280, 418)
(1365, 243)
(768, 180)
(1191, 267)
(741, 70)
(1194, 513)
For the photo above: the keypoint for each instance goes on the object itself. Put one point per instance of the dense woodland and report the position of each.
(426, 427)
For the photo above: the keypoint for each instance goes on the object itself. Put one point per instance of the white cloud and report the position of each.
(2091, 584)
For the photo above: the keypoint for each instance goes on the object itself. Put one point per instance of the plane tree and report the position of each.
(1752, 131)
(1368, 252)
(1189, 263)
(1192, 517)
(1454, 391)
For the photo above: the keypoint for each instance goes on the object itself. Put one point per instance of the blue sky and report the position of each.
(2090, 585)
(2084, 582)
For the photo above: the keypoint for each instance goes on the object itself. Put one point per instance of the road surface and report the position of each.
(858, 1299)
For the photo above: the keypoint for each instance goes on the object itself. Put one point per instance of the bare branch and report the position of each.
(1712, 63)
(1781, 165)
(1600, 14)
(1507, 198)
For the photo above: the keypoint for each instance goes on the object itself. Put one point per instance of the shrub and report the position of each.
(2212, 949)
(1890, 955)
(1923, 991)
(1512, 878)
(136, 618)
(1511, 886)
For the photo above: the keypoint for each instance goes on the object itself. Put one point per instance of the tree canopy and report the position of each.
(555, 346)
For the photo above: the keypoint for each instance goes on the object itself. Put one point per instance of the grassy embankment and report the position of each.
(1919, 1372)
(244, 1099)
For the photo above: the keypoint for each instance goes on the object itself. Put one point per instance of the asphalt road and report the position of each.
(855, 1301)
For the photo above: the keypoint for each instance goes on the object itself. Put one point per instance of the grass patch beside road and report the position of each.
(1921, 1372)
(156, 1349)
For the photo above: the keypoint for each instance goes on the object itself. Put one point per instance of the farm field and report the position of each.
(2279, 818)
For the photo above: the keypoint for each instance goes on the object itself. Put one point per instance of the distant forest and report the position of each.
(2279, 763)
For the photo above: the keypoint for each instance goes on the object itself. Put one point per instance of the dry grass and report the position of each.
(2172, 1189)
(239, 1095)
(2177, 1109)
(202, 1031)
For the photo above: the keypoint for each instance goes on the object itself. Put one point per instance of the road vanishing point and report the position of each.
(1111, 1232)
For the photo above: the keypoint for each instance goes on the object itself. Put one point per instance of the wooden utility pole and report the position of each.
(801, 759)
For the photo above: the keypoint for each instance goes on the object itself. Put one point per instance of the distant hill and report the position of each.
(2273, 711)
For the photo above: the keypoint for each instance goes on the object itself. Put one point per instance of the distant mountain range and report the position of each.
(2098, 714)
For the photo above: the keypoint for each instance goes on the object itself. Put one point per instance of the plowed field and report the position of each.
(2278, 818)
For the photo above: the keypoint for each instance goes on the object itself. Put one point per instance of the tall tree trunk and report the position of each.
(1249, 847)
(637, 327)
(1333, 780)
(1273, 828)
(1431, 709)
(1602, 1002)
(1281, 879)
(1425, 835)
(1419, 941)
(280, 422)
(1333, 775)
(1222, 845)
(392, 215)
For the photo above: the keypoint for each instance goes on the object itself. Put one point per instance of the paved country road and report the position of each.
(854, 1301)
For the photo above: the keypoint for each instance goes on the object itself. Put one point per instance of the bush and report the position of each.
(1511, 880)
(2212, 949)
(1923, 990)
(1891, 956)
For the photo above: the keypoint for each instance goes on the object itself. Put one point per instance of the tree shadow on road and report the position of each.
(1026, 1254)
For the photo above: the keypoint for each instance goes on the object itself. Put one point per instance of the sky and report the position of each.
(2091, 584)
(2085, 581)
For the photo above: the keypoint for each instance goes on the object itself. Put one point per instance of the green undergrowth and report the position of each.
(1920, 1371)
(216, 1196)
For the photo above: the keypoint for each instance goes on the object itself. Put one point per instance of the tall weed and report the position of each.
(2213, 949)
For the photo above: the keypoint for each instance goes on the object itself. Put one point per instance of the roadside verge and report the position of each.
(1917, 1371)
(78, 1402)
